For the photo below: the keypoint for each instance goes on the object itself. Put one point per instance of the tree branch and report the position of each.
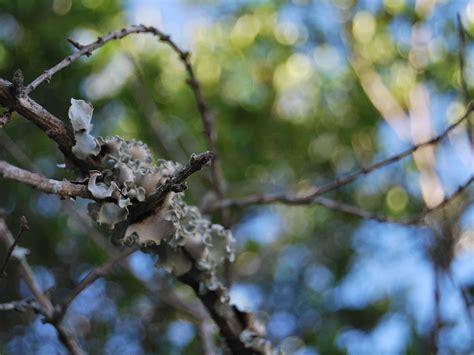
(465, 90)
(175, 183)
(62, 188)
(46, 308)
(447, 199)
(63, 136)
(23, 227)
(338, 182)
(230, 320)
(168, 295)
(206, 116)
(361, 213)
(93, 276)
(358, 212)
(16, 98)
(54, 128)
(158, 287)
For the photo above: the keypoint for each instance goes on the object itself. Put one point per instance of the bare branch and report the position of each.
(206, 116)
(361, 213)
(93, 276)
(54, 128)
(338, 182)
(231, 321)
(438, 322)
(62, 135)
(23, 227)
(462, 73)
(447, 199)
(25, 270)
(462, 52)
(358, 212)
(46, 308)
(77, 45)
(16, 152)
(62, 188)
(84, 50)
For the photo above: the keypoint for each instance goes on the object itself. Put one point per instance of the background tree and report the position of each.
(303, 93)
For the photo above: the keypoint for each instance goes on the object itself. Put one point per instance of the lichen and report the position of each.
(181, 235)
(80, 114)
(253, 336)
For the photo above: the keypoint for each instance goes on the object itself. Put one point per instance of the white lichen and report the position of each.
(107, 213)
(80, 114)
(127, 176)
(99, 189)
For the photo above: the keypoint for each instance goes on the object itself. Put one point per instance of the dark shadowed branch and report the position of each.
(447, 199)
(195, 311)
(207, 116)
(23, 228)
(45, 307)
(174, 183)
(462, 53)
(437, 322)
(93, 276)
(353, 210)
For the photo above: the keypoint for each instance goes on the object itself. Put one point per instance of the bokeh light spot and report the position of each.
(397, 199)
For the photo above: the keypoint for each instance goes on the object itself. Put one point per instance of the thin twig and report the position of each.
(16, 152)
(160, 290)
(462, 68)
(52, 126)
(358, 212)
(447, 199)
(465, 298)
(23, 228)
(93, 276)
(438, 323)
(45, 307)
(338, 182)
(207, 116)
(462, 53)
(77, 45)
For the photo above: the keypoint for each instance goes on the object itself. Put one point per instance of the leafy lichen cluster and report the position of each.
(127, 176)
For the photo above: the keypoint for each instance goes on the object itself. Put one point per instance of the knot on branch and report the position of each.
(18, 84)
(6, 117)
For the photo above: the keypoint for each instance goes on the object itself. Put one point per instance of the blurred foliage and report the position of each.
(292, 112)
